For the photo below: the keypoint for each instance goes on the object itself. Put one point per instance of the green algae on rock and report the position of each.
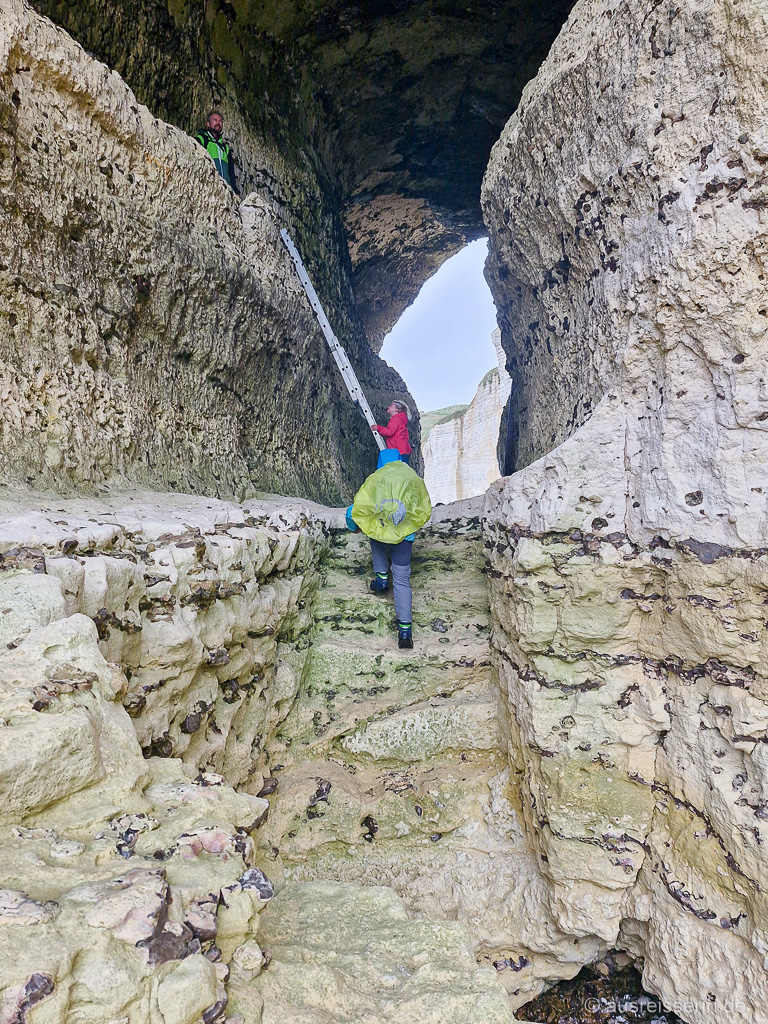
(351, 953)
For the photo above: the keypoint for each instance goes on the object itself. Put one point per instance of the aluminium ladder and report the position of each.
(345, 367)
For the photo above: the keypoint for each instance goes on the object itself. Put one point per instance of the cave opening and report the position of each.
(607, 992)
(364, 130)
(441, 344)
(447, 347)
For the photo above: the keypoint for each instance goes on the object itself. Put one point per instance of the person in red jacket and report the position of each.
(396, 431)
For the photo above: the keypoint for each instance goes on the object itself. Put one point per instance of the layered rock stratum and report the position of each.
(626, 207)
(141, 643)
(460, 450)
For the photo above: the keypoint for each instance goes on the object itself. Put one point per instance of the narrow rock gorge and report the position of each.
(227, 795)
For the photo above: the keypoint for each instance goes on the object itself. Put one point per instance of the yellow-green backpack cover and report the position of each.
(392, 503)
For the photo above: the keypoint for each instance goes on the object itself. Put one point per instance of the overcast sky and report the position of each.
(441, 345)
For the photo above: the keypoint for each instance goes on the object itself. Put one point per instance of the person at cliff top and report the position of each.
(396, 431)
(218, 150)
(390, 506)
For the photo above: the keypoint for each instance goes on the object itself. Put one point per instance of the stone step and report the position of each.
(349, 954)
(340, 661)
(339, 807)
(426, 568)
(460, 721)
(452, 591)
(347, 684)
(430, 551)
(442, 559)
(368, 615)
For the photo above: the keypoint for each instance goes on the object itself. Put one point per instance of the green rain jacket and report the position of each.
(392, 503)
(221, 154)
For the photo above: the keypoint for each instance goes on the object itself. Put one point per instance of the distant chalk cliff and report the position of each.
(459, 448)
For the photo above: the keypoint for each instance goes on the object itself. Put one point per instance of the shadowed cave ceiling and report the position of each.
(392, 106)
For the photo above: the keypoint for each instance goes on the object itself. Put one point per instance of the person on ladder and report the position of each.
(390, 506)
(396, 431)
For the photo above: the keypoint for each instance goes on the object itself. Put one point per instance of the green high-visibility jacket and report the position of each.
(221, 154)
(391, 504)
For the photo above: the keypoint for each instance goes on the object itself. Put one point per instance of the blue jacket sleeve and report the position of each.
(351, 524)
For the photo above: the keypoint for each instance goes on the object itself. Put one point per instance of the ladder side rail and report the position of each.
(354, 387)
(353, 384)
(340, 356)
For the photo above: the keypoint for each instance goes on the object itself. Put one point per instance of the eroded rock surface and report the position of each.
(625, 204)
(628, 566)
(126, 877)
(153, 330)
(202, 603)
(596, 776)
(160, 649)
(382, 113)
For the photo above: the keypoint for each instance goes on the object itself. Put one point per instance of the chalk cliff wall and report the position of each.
(633, 230)
(460, 459)
(153, 330)
(380, 114)
(147, 648)
(626, 208)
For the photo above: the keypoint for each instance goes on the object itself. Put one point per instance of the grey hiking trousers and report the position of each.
(400, 557)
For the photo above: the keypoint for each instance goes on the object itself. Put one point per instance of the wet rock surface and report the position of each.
(350, 953)
(132, 866)
(392, 766)
(604, 993)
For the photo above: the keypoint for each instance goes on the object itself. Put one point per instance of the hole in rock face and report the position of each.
(610, 992)
(447, 348)
(441, 345)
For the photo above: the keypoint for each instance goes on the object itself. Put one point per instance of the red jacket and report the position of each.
(396, 433)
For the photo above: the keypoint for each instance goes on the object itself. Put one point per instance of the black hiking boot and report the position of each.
(379, 584)
(404, 635)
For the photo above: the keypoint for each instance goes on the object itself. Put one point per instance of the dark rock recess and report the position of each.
(154, 355)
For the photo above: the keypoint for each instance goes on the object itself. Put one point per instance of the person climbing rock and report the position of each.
(218, 150)
(396, 431)
(390, 506)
